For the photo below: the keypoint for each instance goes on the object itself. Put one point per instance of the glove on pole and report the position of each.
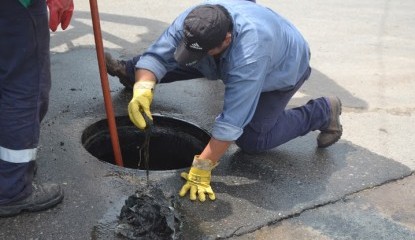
(60, 12)
(198, 179)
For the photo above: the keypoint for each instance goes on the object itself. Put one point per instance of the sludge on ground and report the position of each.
(149, 214)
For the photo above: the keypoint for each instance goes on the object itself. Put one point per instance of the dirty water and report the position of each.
(144, 154)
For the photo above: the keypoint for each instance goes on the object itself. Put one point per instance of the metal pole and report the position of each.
(104, 82)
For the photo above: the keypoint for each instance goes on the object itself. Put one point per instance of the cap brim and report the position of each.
(187, 57)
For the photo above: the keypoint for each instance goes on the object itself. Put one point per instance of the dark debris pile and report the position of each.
(148, 214)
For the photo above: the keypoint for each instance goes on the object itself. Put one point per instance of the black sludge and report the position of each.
(148, 214)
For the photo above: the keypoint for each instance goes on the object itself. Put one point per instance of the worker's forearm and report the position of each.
(215, 149)
(144, 75)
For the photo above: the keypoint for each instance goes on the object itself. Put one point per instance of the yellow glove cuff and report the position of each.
(143, 92)
(200, 172)
(203, 164)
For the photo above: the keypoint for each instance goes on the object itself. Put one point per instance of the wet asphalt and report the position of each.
(360, 188)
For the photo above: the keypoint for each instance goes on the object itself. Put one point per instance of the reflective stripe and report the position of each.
(17, 156)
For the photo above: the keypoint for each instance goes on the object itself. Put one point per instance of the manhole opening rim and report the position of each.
(120, 120)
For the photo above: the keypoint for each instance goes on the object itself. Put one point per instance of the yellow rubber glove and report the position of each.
(198, 179)
(140, 103)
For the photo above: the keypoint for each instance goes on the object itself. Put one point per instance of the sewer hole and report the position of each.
(173, 142)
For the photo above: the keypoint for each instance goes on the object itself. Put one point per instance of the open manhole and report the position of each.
(173, 142)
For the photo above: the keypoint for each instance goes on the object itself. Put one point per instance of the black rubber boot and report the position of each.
(44, 196)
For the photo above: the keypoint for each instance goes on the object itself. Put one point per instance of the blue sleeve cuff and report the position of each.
(226, 132)
(152, 64)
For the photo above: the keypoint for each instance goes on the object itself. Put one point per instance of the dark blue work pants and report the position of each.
(273, 125)
(24, 91)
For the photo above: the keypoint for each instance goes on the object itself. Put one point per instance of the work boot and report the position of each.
(334, 131)
(44, 196)
(117, 68)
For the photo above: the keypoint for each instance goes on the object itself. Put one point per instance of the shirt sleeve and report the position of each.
(243, 87)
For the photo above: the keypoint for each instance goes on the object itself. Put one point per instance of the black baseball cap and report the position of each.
(205, 28)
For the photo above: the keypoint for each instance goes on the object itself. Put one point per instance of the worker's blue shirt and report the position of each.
(267, 53)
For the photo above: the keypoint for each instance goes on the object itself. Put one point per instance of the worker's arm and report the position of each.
(215, 149)
(241, 98)
(144, 75)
